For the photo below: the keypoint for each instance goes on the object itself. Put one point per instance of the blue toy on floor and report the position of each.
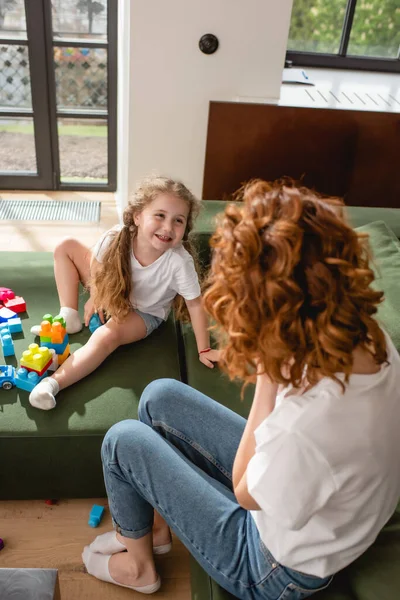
(94, 322)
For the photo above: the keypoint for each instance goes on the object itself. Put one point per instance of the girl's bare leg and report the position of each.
(85, 360)
(71, 266)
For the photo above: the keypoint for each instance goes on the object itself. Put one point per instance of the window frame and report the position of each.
(342, 60)
(109, 115)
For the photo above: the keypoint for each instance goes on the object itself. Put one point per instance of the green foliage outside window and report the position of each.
(317, 25)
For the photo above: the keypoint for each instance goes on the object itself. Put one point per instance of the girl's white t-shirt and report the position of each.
(326, 471)
(154, 287)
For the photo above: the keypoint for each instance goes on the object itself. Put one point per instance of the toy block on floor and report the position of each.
(54, 363)
(35, 358)
(63, 357)
(15, 325)
(52, 331)
(27, 380)
(6, 294)
(94, 323)
(45, 368)
(7, 342)
(59, 348)
(58, 333)
(6, 314)
(16, 304)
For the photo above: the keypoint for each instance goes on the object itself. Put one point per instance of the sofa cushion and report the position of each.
(356, 215)
(57, 453)
(386, 264)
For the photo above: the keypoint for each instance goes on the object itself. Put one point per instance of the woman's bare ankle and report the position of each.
(126, 569)
(161, 535)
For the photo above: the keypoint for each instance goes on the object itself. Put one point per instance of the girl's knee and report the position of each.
(108, 337)
(159, 392)
(65, 247)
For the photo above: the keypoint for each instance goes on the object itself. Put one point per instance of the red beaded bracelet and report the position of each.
(205, 350)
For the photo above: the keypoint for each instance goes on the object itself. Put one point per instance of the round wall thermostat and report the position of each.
(208, 43)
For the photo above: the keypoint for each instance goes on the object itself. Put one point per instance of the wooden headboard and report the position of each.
(352, 154)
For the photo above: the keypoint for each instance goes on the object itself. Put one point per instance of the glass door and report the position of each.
(58, 90)
(83, 75)
(25, 143)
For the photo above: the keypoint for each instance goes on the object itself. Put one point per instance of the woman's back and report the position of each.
(337, 457)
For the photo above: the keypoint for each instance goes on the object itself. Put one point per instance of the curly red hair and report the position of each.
(290, 287)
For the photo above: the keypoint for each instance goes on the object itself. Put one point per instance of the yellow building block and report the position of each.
(35, 357)
(63, 357)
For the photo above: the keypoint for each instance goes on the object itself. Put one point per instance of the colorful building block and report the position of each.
(27, 380)
(16, 304)
(53, 331)
(15, 325)
(59, 348)
(94, 323)
(54, 363)
(95, 515)
(63, 357)
(6, 314)
(56, 319)
(6, 294)
(7, 342)
(35, 358)
(45, 368)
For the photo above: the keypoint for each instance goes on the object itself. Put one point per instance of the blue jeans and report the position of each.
(178, 459)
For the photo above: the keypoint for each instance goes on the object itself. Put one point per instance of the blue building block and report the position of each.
(15, 325)
(7, 342)
(94, 323)
(96, 515)
(6, 314)
(59, 348)
(7, 377)
(26, 380)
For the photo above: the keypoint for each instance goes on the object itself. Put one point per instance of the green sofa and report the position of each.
(57, 454)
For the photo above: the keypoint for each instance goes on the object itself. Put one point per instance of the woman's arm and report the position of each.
(199, 321)
(263, 405)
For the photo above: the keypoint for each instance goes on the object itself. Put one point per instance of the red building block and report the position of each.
(16, 304)
(6, 294)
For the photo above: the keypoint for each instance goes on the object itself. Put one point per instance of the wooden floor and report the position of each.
(37, 535)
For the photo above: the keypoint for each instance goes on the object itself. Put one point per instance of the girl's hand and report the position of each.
(209, 358)
(89, 311)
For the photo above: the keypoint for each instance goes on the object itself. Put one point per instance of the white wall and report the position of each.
(166, 83)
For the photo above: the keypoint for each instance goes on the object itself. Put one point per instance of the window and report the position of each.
(354, 34)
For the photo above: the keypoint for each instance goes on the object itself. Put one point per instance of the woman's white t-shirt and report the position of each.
(154, 287)
(326, 471)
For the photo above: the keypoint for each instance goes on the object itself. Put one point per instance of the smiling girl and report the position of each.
(135, 273)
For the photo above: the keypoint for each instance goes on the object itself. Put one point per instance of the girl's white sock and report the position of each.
(97, 565)
(42, 396)
(107, 543)
(72, 319)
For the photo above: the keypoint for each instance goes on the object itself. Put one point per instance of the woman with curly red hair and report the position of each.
(274, 506)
